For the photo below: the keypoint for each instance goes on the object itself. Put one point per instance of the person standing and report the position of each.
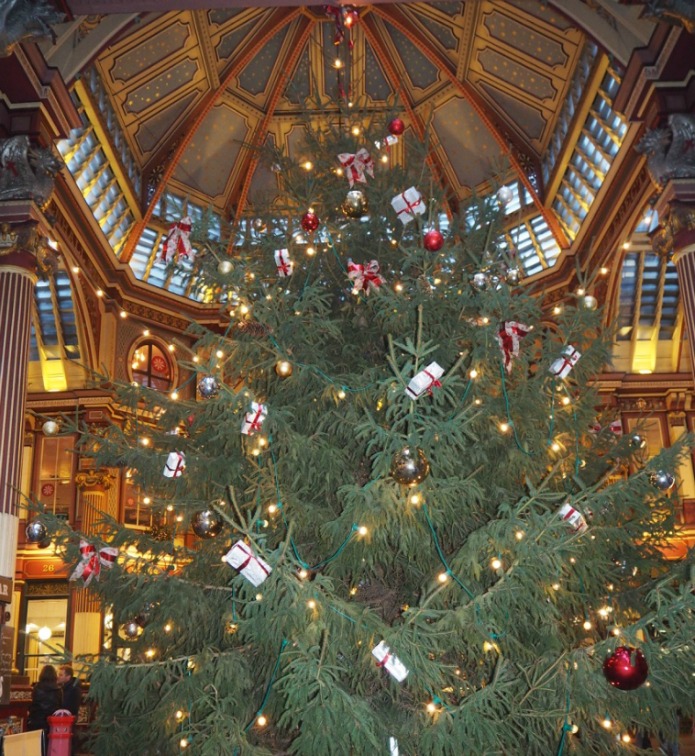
(45, 699)
(72, 695)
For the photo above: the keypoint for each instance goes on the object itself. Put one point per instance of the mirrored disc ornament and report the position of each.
(206, 523)
(409, 466)
(589, 302)
(208, 386)
(505, 195)
(480, 281)
(355, 204)
(662, 480)
(37, 532)
(512, 276)
(131, 629)
(637, 441)
(224, 267)
(50, 428)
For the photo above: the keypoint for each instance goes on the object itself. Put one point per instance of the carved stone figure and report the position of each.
(678, 12)
(26, 172)
(25, 19)
(671, 151)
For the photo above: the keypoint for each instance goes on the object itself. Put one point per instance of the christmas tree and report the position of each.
(414, 531)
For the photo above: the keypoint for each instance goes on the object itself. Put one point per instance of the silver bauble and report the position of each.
(206, 523)
(208, 386)
(37, 532)
(224, 267)
(409, 466)
(589, 302)
(131, 629)
(480, 281)
(505, 195)
(50, 428)
(355, 204)
(512, 276)
(662, 480)
(636, 441)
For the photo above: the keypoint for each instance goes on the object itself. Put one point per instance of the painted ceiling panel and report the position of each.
(230, 41)
(208, 161)
(150, 131)
(255, 77)
(150, 52)
(440, 31)
(517, 75)
(160, 86)
(219, 16)
(528, 118)
(264, 187)
(421, 72)
(298, 88)
(376, 83)
(544, 12)
(524, 38)
(451, 9)
(474, 155)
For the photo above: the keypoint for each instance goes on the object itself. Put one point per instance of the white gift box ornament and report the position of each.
(242, 557)
(408, 204)
(390, 662)
(425, 380)
(254, 420)
(561, 367)
(175, 465)
(573, 517)
(388, 141)
(284, 263)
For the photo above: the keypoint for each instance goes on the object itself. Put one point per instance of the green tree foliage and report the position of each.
(500, 653)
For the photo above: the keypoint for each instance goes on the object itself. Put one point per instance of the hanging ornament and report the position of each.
(433, 240)
(408, 204)
(509, 337)
(364, 277)
(355, 204)
(512, 276)
(50, 428)
(561, 367)
(254, 419)
(480, 281)
(283, 368)
(206, 523)
(177, 243)
(637, 442)
(310, 221)
(131, 629)
(37, 532)
(409, 466)
(396, 127)
(259, 224)
(208, 386)
(91, 561)
(175, 465)
(505, 195)
(224, 267)
(589, 302)
(662, 480)
(626, 668)
(284, 263)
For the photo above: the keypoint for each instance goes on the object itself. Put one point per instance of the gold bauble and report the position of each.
(409, 466)
(283, 368)
(355, 204)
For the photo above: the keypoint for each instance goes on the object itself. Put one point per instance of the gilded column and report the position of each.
(18, 247)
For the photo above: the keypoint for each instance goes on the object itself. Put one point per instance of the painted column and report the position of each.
(18, 245)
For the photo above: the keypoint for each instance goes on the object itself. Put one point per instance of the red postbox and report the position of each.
(60, 732)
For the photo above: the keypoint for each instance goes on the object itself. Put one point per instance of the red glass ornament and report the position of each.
(626, 668)
(433, 240)
(310, 221)
(396, 127)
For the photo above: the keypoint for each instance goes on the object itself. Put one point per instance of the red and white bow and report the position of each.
(92, 561)
(357, 165)
(508, 337)
(364, 277)
(177, 242)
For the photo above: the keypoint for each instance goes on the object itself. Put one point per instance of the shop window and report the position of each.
(55, 482)
(44, 623)
(151, 366)
(136, 510)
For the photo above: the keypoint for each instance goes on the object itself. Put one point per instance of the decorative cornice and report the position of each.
(95, 478)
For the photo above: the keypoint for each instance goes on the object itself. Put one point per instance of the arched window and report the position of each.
(151, 366)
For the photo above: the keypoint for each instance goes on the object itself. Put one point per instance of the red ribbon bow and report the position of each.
(92, 561)
(364, 277)
(357, 165)
(177, 242)
(508, 337)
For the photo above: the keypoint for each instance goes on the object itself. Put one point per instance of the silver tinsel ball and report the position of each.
(208, 386)
(37, 532)
(206, 523)
(662, 480)
(224, 267)
(480, 281)
(131, 629)
(409, 466)
(355, 204)
(636, 441)
(505, 195)
(589, 302)
(50, 428)
(512, 276)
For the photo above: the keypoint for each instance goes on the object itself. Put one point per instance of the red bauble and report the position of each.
(433, 240)
(310, 221)
(626, 668)
(396, 127)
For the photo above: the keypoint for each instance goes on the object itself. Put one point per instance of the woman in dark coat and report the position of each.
(45, 699)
